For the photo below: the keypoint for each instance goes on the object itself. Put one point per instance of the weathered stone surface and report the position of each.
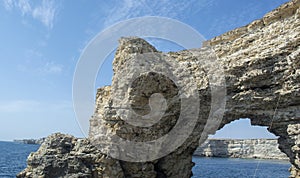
(262, 72)
(63, 155)
(294, 172)
(261, 68)
(241, 148)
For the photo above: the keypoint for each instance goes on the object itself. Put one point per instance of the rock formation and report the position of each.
(261, 71)
(241, 148)
(64, 155)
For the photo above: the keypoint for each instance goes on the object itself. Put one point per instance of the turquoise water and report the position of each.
(13, 159)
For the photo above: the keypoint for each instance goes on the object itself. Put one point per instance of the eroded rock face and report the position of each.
(261, 71)
(63, 155)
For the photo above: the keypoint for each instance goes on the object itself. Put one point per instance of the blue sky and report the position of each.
(41, 42)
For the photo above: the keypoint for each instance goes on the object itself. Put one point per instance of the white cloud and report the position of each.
(18, 106)
(36, 62)
(235, 19)
(8, 4)
(46, 69)
(33, 53)
(24, 6)
(166, 8)
(21, 106)
(51, 68)
(45, 11)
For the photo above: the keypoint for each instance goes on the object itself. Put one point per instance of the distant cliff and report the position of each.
(241, 148)
(31, 141)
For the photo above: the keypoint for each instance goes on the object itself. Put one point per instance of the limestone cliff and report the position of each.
(241, 148)
(261, 71)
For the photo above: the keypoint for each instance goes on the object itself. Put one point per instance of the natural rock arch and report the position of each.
(262, 73)
(261, 66)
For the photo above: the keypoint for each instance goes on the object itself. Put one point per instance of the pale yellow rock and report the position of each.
(261, 68)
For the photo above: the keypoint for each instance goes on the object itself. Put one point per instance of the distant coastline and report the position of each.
(223, 148)
(31, 141)
(241, 148)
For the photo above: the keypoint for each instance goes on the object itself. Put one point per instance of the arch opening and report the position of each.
(240, 149)
(242, 129)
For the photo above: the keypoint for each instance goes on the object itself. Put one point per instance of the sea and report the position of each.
(13, 159)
